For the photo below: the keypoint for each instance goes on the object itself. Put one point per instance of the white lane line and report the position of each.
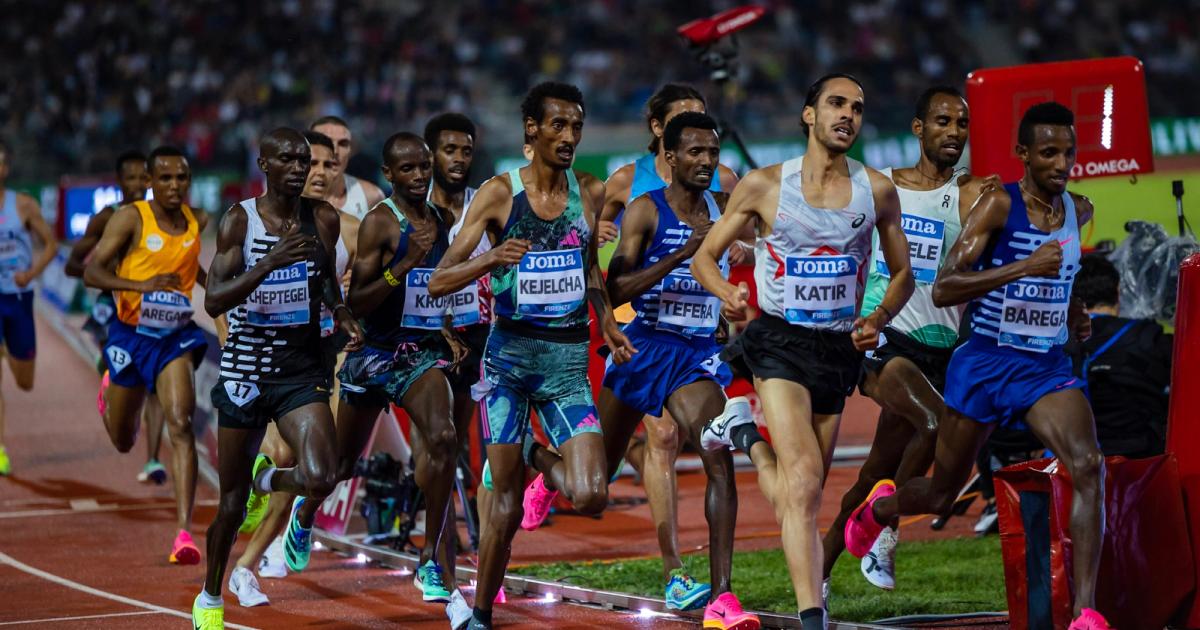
(52, 619)
(98, 508)
(83, 588)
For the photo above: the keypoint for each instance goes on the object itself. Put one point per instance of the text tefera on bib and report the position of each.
(281, 299)
(820, 289)
(163, 312)
(1034, 316)
(686, 308)
(551, 283)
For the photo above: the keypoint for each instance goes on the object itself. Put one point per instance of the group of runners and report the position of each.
(335, 302)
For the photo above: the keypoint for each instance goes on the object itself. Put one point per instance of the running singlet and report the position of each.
(483, 285)
(356, 198)
(810, 269)
(409, 312)
(931, 223)
(547, 288)
(678, 303)
(274, 333)
(1031, 313)
(16, 249)
(159, 313)
(341, 261)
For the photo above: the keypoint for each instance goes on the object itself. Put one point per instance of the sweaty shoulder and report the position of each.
(1083, 208)
(992, 208)
(762, 180)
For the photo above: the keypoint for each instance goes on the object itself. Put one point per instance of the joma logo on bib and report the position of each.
(548, 261)
(1040, 292)
(917, 225)
(820, 265)
(820, 289)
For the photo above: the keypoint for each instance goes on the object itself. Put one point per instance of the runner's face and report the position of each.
(170, 178)
(1051, 156)
(694, 161)
(557, 135)
(836, 118)
(944, 131)
(408, 168)
(287, 165)
(342, 145)
(676, 108)
(321, 169)
(133, 180)
(452, 160)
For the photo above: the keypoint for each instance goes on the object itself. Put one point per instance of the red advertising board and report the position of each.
(1108, 96)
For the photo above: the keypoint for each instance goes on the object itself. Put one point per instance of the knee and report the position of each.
(589, 498)
(1088, 466)
(25, 383)
(442, 443)
(507, 513)
(232, 506)
(180, 427)
(803, 496)
(319, 481)
(662, 436)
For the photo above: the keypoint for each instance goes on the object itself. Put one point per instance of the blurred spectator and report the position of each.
(89, 78)
(1127, 363)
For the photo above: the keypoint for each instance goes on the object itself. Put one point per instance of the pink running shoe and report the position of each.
(184, 551)
(725, 613)
(501, 598)
(104, 383)
(537, 504)
(1089, 619)
(861, 528)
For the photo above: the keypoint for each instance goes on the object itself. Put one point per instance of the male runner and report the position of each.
(544, 272)
(1015, 261)
(815, 215)
(133, 179)
(406, 354)
(20, 218)
(907, 372)
(346, 192)
(272, 271)
(675, 333)
(266, 514)
(654, 458)
(149, 257)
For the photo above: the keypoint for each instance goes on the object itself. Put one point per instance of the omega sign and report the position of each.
(1105, 167)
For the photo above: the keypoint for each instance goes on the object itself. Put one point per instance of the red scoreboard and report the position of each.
(1108, 96)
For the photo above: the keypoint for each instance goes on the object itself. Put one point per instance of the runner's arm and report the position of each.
(894, 244)
(619, 346)
(124, 226)
(956, 282)
(372, 192)
(229, 283)
(87, 242)
(457, 269)
(616, 192)
(368, 287)
(741, 211)
(624, 282)
(328, 222)
(31, 213)
(201, 224)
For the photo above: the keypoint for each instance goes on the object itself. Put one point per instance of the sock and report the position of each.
(812, 619)
(263, 483)
(210, 601)
(482, 616)
(745, 436)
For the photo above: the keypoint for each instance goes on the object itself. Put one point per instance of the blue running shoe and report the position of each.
(428, 579)
(684, 593)
(297, 541)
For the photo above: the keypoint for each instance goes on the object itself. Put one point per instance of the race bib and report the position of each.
(550, 284)
(241, 393)
(686, 308)
(163, 312)
(281, 299)
(118, 358)
(819, 289)
(1034, 317)
(425, 312)
(102, 311)
(12, 253)
(924, 248)
(327, 323)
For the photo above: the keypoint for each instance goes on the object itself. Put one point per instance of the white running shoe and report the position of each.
(458, 610)
(879, 565)
(718, 433)
(987, 520)
(243, 584)
(272, 564)
(825, 589)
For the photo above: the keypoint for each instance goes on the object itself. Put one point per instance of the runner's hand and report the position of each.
(1079, 322)
(23, 278)
(351, 327)
(619, 346)
(693, 243)
(161, 282)
(741, 253)
(509, 252)
(605, 231)
(293, 247)
(419, 244)
(458, 349)
(866, 331)
(735, 305)
(1045, 261)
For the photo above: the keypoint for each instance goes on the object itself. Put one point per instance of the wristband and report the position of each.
(391, 279)
(343, 305)
(885, 312)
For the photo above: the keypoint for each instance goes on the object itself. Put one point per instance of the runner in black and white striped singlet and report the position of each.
(272, 271)
(814, 216)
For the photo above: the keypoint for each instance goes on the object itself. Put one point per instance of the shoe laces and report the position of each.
(686, 580)
(433, 575)
(301, 536)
